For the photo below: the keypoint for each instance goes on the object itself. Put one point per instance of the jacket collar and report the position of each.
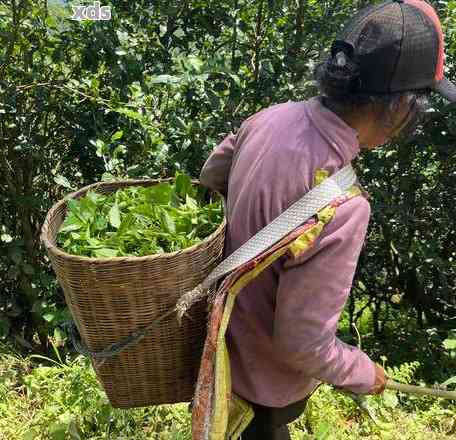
(339, 135)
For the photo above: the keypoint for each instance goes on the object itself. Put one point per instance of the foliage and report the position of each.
(61, 399)
(138, 221)
(152, 91)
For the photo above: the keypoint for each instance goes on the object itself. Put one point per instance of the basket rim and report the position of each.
(56, 251)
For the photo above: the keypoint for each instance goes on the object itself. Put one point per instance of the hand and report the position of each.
(380, 380)
(379, 386)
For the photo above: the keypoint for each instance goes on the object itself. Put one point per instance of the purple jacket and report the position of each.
(282, 333)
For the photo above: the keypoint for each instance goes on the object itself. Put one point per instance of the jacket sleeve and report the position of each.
(312, 293)
(216, 169)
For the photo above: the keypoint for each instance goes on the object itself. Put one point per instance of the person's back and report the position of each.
(282, 332)
(275, 156)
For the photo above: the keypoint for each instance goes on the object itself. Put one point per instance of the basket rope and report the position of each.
(100, 357)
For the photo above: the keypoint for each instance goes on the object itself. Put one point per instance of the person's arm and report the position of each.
(216, 170)
(312, 292)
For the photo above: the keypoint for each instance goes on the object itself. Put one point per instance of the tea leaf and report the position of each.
(71, 227)
(114, 216)
(183, 185)
(105, 253)
(191, 203)
(137, 221)
(167, 222)
(160, 194)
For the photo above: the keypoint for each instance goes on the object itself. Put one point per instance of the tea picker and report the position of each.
(272, 331)
(276, 274)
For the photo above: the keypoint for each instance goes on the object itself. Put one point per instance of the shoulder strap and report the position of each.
(297, 214)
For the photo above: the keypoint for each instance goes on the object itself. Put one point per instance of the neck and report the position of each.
(351, 118)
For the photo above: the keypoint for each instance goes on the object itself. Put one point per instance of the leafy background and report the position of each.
(152, 92)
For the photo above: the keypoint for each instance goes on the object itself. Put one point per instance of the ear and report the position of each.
(401, 103)
(375, 111)
(401, 107)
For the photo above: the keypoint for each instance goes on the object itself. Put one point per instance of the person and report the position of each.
(374, 86)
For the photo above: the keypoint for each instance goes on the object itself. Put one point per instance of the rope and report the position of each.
(100, 357)
(185, 302)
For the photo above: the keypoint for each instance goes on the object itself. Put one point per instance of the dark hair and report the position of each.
(338, 78)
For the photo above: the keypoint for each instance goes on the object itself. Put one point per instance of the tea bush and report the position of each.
(152, 91)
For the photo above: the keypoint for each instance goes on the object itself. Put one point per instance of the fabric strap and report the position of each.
(297, 214)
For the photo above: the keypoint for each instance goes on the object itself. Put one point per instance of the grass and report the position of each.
(61, 399)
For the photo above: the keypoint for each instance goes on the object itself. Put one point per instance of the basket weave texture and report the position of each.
(110, 298)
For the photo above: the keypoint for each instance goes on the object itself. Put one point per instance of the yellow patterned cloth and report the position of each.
(230, 414)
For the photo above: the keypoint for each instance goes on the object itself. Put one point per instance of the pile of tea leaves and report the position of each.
(139, 221)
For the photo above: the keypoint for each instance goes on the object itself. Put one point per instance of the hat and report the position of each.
(399, 47)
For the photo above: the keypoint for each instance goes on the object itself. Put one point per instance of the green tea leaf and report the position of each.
(160, 194)
(191, 203)
(139, 220)
(99, 223)
(114, 216)
(95, 197)
(71, 227)
(105, 253)
(94, 243)
(72, 205)
(126, 224)
(87, 209)
(183, 185)
(167, 222)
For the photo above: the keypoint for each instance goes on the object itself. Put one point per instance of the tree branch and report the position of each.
(233, 47)
(420, 391)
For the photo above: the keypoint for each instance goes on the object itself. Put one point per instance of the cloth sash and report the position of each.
(218, 413)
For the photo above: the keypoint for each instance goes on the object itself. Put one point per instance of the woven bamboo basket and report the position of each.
(110, 298)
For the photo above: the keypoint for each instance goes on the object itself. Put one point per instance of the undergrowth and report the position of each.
(61, 399)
